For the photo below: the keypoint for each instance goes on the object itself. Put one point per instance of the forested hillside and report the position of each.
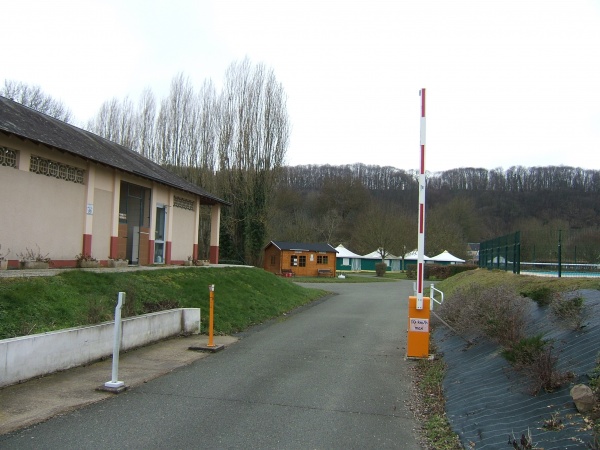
(364, 207)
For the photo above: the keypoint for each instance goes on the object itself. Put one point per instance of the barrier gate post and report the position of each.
(418, 307)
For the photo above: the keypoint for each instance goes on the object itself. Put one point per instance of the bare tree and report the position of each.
(146, 124)
(173, 121)
(116, 121)
(106, 122)
(207, 133)
(253, 138)
(35, 98)
(380, 227)
(443, 233)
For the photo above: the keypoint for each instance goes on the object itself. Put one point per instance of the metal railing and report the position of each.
(432, 291)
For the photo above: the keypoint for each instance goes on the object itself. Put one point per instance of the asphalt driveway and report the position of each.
(331, 376)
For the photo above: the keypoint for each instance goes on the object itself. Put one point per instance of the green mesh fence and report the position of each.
(574, 252)
(503, 253)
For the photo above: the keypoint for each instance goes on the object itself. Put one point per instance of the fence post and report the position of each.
(559, 253)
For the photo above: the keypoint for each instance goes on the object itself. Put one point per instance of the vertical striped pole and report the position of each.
(421, 239)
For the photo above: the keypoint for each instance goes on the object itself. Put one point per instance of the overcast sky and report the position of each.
(509, 82)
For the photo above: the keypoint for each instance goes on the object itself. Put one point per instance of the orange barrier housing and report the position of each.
(418, 328)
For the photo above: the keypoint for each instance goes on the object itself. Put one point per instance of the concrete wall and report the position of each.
(31, 356)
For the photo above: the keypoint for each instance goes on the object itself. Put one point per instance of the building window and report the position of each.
(302, 261)
(8, 157)
(272, 260)
(346, 261)
(54, 169)
(183, 203)
(322, 259)
(294, 261)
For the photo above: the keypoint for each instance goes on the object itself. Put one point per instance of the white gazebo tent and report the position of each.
(412, 257)
(447, 258)
(347, 260)
(393, 262)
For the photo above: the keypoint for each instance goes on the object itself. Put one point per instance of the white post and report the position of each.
(431, 295)
(114, 383)
(421, 236)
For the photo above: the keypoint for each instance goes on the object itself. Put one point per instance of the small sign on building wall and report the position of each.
(90, 209)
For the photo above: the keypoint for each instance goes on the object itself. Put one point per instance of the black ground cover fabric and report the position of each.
(487, 400)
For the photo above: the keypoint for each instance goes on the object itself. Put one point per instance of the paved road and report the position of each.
(330, 377)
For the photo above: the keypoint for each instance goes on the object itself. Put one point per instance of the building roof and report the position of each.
(415, 255)
(376, 255)
(446, 256)
(343, 252)
(25, 122)
(303, 246)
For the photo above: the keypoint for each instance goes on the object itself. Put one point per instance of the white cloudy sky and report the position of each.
(509, 82)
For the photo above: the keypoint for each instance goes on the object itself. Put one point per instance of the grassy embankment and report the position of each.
(243, 297)
(430, 374)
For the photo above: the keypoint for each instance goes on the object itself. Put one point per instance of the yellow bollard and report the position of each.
(211, 290)
(211, 346)
(418, 329)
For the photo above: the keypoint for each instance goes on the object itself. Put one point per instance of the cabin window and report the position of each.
(272, 260)
(294, 261)
(322, 259)
(346, 261)
(302, 260)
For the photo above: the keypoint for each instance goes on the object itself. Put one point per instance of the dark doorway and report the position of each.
(134, 223)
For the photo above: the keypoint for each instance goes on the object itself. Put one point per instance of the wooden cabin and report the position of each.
(300, 259)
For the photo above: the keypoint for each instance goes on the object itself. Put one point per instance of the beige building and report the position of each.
(65, 191)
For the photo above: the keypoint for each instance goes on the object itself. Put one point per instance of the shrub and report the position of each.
(380, 269)
(497, 312)
(595, 375)
(411, 271)
(568, 309)
(438, 271)
(526, 350)
(543, 372)
(542, 295)
(4, 255)
(33, 255)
